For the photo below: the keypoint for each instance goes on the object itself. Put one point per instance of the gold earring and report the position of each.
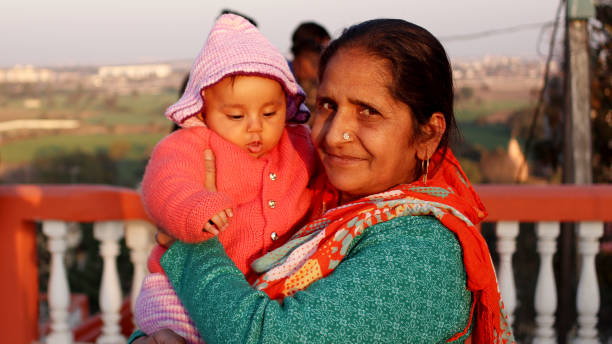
(425, 166)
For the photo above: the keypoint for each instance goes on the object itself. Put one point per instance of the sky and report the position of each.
(93, 32)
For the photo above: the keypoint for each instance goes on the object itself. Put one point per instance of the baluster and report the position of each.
(58, 290)
(109, 233)
(73, 239)
(506, 245)
(546, 291)
(587, 295)
(139, 239)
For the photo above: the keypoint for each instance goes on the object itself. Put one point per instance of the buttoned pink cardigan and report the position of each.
(269, 195)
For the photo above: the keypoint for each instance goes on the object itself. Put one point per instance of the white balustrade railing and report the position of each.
(545, 301)
(58, 290)
(507, 232)
(587, 295)
(546, 290)
(139, 239)
(109, 233)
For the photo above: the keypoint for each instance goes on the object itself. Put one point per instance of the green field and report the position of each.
(93, 107)
(138, 111)
(487, 136)
(135, 145)
(146, 111)
(135, 109)
(476, 131)
(473, 110)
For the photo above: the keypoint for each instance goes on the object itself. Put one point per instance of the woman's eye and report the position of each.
(325, 105)
(367, 111)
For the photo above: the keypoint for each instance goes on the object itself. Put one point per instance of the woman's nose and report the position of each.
(336, 127)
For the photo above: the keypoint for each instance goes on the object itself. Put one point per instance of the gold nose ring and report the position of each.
(346, 136)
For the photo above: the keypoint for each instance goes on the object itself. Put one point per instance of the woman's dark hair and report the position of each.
(421, 72)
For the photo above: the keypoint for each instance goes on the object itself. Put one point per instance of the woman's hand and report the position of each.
(164, 336)
(219, 221)
(163, 239)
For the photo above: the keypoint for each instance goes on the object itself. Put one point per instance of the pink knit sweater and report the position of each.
(269, 195)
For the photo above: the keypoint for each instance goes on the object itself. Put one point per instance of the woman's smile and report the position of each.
(341, 159)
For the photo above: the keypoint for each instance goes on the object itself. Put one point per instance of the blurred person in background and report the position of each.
(308, 41)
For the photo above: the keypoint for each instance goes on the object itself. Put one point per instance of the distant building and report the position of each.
(499, 66)
(26, 74)
(32, 103)
(33, 124)
(135, 71)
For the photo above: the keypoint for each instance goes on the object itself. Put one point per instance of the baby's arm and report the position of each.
(174, 189)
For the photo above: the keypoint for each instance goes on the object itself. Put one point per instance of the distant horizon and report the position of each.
(188, 62)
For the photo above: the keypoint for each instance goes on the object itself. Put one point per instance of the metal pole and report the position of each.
(578, 148)
(578, 123)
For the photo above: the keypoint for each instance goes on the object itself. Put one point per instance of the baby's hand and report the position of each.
(218, 222)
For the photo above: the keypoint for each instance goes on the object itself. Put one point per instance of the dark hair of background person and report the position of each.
(305, 46)
(228, 11)
(421, 72)
(308, 32)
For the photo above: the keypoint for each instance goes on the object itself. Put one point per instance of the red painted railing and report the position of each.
(22, 205)
(531, 203)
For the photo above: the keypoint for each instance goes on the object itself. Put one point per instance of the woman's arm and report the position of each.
(403, 281)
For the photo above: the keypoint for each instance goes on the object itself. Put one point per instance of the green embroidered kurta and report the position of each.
(403, 281)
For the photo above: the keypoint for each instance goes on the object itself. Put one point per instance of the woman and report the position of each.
(399, 260)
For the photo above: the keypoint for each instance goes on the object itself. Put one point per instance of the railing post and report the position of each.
(546, 290)
(506, 245)
(139, 239)
(109, 233)
(587, 295)
(58, 290)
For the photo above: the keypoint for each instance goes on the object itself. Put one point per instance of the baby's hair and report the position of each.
(232, 78)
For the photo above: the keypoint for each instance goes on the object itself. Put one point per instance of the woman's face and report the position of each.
(354, 98)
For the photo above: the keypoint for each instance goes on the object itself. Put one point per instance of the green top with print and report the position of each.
(403, 281)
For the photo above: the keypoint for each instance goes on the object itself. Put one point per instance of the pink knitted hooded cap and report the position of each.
(236, 47)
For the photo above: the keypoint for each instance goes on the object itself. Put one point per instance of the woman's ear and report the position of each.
(432, 133)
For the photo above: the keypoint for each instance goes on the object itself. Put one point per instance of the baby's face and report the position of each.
(248, 111)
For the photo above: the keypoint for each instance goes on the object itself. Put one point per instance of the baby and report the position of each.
(241, 102)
